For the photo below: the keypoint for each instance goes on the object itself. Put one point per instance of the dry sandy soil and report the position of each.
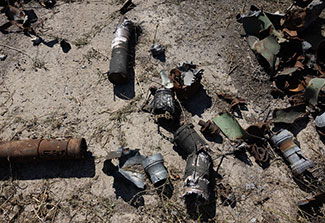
(51, 94)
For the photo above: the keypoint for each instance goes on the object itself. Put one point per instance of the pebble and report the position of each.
(3, 57)
(250, 186)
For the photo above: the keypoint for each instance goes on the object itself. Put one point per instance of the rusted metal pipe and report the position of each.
(209, 127)
(42, 149)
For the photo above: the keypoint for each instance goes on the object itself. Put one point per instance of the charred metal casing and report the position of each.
(291, 152)
(42, 149)
(119, 65)
(187, 139)
(154, 167)
(197, 176)
(164, 102)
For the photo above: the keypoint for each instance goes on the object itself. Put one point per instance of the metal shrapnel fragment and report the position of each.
(119, 64)
(291, 152)
(312, 91)
(320, 121)
(130, 166)
(320, 124)
(229, 126)
(299, 19)
(186, 80)
(157, 51)
(165, 80)
(154, 167)
(42, 149)
(289, 115)
(197, 177)
(187, 139)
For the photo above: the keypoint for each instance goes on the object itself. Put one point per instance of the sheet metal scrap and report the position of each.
(300, 18)
(257, 23)
(233, 101)
(186, 80)
(320, 124)
(268, 48)
(313, 89)
(263, 38)
(289, 115)
(197, 177)
(254, 135)
(42, 149)
(130, 165)
(229, 126)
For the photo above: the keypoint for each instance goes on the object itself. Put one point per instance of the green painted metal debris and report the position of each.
(313, 89)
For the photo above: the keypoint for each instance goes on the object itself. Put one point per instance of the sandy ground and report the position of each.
(46, 93)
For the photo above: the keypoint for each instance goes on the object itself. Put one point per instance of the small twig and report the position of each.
(138, 82)
(232, 70)
(18, 50)
(155, 34)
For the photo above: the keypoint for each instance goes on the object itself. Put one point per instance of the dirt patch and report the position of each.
(49, 93)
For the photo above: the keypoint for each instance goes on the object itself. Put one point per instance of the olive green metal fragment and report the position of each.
(268, 48)
(289, 115)
(229, 126)
(313, 89)
(256, 23)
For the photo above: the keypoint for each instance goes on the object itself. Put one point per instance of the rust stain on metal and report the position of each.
(42, 149)
(209, 127)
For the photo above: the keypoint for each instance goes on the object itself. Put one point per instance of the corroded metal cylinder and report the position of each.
(291, 152)
(42, 149)
(154, 167)
(164, 102)
(197, 176)
(118, 72)
(187, 139)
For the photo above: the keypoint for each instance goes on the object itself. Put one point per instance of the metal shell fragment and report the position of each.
(154, 167)
(187, 139)
(186, 80)
(197, 176)
(119, 64)
(291, 152)
(42, 149)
